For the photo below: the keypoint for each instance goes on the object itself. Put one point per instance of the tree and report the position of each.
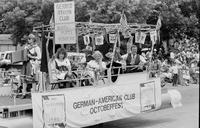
(178, 16)
(20, 16)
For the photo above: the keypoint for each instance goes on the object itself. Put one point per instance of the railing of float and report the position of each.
(81, 75)
(12, 79)
(111, 74)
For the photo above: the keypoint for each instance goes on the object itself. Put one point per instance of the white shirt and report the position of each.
(95, 65)
(142, 59)
(36, 49)
(174, 69)
(172, 55)
(65, 62)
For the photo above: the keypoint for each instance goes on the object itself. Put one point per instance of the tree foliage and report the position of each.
(179, 17)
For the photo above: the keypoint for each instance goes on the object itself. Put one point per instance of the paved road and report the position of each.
(183, 117)
(186, 116)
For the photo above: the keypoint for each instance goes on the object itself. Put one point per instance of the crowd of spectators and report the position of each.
(181, 67)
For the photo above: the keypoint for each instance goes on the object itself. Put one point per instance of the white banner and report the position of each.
(65, 33)
(153, 36)
(53, 104)
(65, 29)
(97, 104)
(148, 96)
(64, 12)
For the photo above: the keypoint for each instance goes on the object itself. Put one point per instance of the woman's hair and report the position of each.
(61, 51)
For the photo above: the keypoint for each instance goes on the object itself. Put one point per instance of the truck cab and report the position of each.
(5, 58)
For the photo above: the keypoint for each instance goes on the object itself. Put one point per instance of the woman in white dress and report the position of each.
(96, 67)
(62, 65)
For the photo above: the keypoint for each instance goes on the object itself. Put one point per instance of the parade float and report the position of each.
(112, 97)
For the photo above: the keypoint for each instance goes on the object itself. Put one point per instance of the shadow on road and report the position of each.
(133, 123)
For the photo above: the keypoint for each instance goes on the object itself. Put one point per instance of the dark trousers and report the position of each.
(175, 79)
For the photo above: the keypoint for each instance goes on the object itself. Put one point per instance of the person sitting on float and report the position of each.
(88, 53)
(96, 67)
(62, 65)
(134, 61)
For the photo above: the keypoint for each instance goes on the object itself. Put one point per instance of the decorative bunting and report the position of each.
(86, 39)
(113, 38)
(99, 40)
(140, 37)
(137, 37)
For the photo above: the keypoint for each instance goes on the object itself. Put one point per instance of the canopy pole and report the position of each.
(115, 45)
(77, 46)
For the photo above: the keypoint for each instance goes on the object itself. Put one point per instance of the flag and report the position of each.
(158, 24)
(124, 24)
(51, 22)
(44, 63)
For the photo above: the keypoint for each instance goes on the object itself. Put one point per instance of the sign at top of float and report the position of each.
(64, 12)
(65, 30)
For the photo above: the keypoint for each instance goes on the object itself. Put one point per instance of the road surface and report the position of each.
(186, 116)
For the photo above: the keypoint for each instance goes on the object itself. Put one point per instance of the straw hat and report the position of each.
(31, 36)
(109, 55)
(97, 55)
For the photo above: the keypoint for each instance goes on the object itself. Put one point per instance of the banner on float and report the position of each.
(65, 29)
(64, 12)
(148, 99)
(65, 33)
(53, 109)
(93, 105)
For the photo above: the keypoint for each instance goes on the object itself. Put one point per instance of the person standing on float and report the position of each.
(32, 65)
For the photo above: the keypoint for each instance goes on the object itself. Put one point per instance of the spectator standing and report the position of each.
(174, 69)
